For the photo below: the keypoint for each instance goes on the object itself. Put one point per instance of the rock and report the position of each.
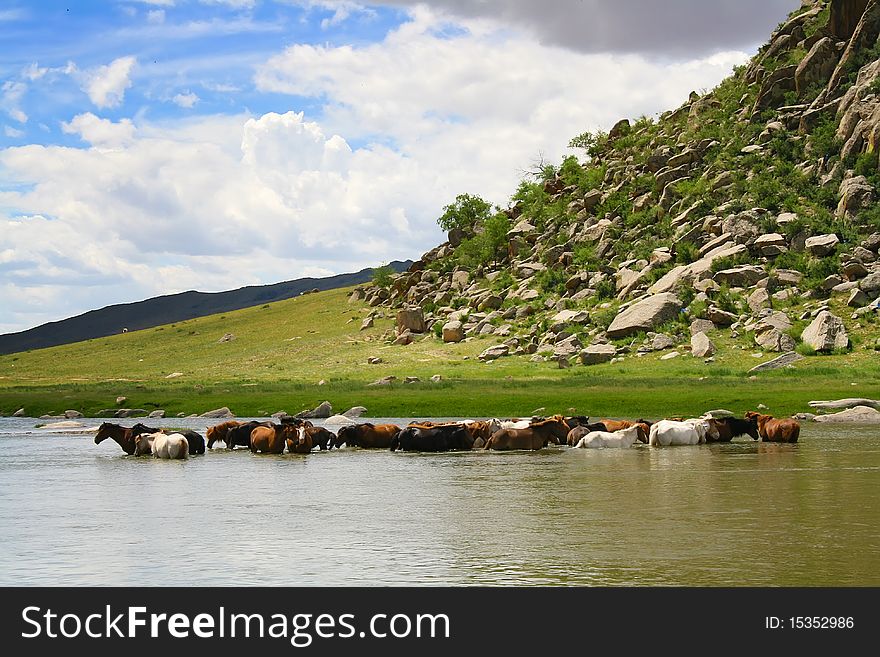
(644, 315)
(771, 244)
(338, 420)
(355, 411)
(742, 276)
(157, 414)
(772, 339)
(826, 333)
(857, 299)
(411, 319)
(436, 378)
(374, 361)
(121, 400)
(218, 413)
(845, 403)
(411, 379)
(322, 410)
(227, 337)
(174, 375)
(19, 413)
(661, 342)
(855, 194)
(822, 245)
(570, 317)
(453, 331)
(493, 353)
(129, 412)
(567, 347)
(460, 279)
(817, 66)
(857, 415)
(701, 346)
(870, 284)
(702, 326)
(670, 355)
(758, 300)
(403, 339)
(619, 129)
(280, 414)
(720, 317)
(72, 415)
(367, 323)
(718, 414)
(598, 353)
(844, 17)
(384, 381)
(69, 424)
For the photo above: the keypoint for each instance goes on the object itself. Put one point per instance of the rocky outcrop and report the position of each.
(826, 333)
(857, 415)
(321, 411)
(645, 315)
(222, 412)
(411, 319)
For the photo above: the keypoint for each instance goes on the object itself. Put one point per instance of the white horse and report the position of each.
(625, 438)
(666, 433)
(514, 424)
(143, 444)
(171, 446)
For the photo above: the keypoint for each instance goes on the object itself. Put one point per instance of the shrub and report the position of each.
(464, 213)
(382, 276)
(686, 253)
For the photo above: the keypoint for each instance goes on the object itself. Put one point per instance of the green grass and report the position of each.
(281, 352)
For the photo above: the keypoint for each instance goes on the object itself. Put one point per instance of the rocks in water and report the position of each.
(19, 413)
(851, 402)
(826, 333)
(227, 337)
(122, 412)
(355, 411)
(701, 346)
(222, 412)
(453, 331)
(822, 245)
(322, 410)
(493, 353)
(411, 319)
(158, 413)
(597, 353)
(72, 415)
(857, 415)
(338, 420)
(644, 315)
(786, 359)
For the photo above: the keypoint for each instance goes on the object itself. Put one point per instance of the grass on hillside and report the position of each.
(282, 350)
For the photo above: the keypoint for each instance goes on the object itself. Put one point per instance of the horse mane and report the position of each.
(366, 425)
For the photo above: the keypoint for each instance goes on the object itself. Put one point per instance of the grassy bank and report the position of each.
(282, 350)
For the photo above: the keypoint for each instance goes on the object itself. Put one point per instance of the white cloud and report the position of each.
(11, 94)
(160, 3)
(106, 85)
(186, 100)
(13, 133)
(101, 133)
(234, 4)
(156, 16)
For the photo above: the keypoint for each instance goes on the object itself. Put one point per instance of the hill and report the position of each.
(171, 308)
(743, 215)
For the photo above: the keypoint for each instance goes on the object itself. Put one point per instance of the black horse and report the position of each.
(241, 435)
(443, 438)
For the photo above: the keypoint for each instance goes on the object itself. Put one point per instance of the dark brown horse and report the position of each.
(772, 430)
(218, 432)
(299, 440)
(537, 436)
(124, 436)
(730, 427)
(582, 430)
(371, 436)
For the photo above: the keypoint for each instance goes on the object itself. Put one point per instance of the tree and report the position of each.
(464, 213)
(382, 276)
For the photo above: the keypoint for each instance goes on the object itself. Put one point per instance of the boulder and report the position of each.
(786, 359)
(157, 414)
(822, 245)
(384, 381)
(129, 412)
(857, 415)
(121, 400)
(670, 355)
(338, 420)
(817, 66)
(701, 346)
(567, 348)
(227, 337)
(702, 326)
(870, 284)
(837, 404)
(367, 323)
(857, 299)
(826, 333)
(493, 353)
(404, 339)
(844, 17)
(19, 413)
(645, 315)
(773, 339)
(720, 317)
(453, 331)
(411, 319)
(355, 411)
(460, 279)
(491, 302)
(437, 378)
(855, 194)
(222, 412)
(661, 342)
(771, 244)
(598, 353)
(321, 411)
(742, 276)
(570, 317)
(758, 300)
(72, 415)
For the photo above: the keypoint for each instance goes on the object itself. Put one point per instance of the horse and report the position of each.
(617, 425)
(271, 439)
(195, 441)
(729, 428)
(624, 438)
(370, 436)
(320, 437)
(436, 438)
(774, 430)
(689, 432)
(124, 436)
(582, 430)
(480, 431)
(166, 446)
(241, 435)
(218, 432)
(301, 443)
(143, 443)
(535, 437)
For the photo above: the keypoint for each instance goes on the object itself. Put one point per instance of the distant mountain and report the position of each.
(172, 308)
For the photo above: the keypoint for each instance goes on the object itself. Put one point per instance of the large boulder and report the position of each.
(855, 194)
(222, 412)
(857, 415)
(453, 331)
(844, 17)
(758, 300)
(822, 245)
(784, 360)
(870, 284)
(701, 346)
(826, 333)
(493, 353)
(598, 353)
(742, 276)
(321, 411)
(412, 319)
(818, 65)
(645, 315)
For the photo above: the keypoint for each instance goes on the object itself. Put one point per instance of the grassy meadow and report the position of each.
(282, 351)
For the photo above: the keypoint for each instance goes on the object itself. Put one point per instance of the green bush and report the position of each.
(382, 276)
(466, 212)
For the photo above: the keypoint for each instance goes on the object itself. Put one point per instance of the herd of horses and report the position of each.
(298, 436)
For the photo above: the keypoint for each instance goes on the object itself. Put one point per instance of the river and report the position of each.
(740, 514)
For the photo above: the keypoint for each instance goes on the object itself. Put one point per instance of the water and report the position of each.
(73, 513)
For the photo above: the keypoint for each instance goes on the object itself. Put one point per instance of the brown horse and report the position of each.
(772, 430)
(124, 436)
(729, 428)
(218, 432)
(537, 436)
(618, 425)
(371, 436)
(299, 439)
(480, 431)
(581, 430)
(267, 440)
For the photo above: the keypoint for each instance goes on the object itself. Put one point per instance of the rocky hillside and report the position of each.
(750, 210)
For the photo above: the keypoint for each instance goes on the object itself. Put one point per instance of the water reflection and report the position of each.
(744, 513)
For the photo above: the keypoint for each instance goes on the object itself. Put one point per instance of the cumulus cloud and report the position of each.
(13, 133)
(101, 133)
(689, 28)
(11, 94)
(234, 4)
(106, 85)
(187, 100)
(156, 16)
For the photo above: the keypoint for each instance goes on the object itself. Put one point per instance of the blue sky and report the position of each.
(151, 147)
